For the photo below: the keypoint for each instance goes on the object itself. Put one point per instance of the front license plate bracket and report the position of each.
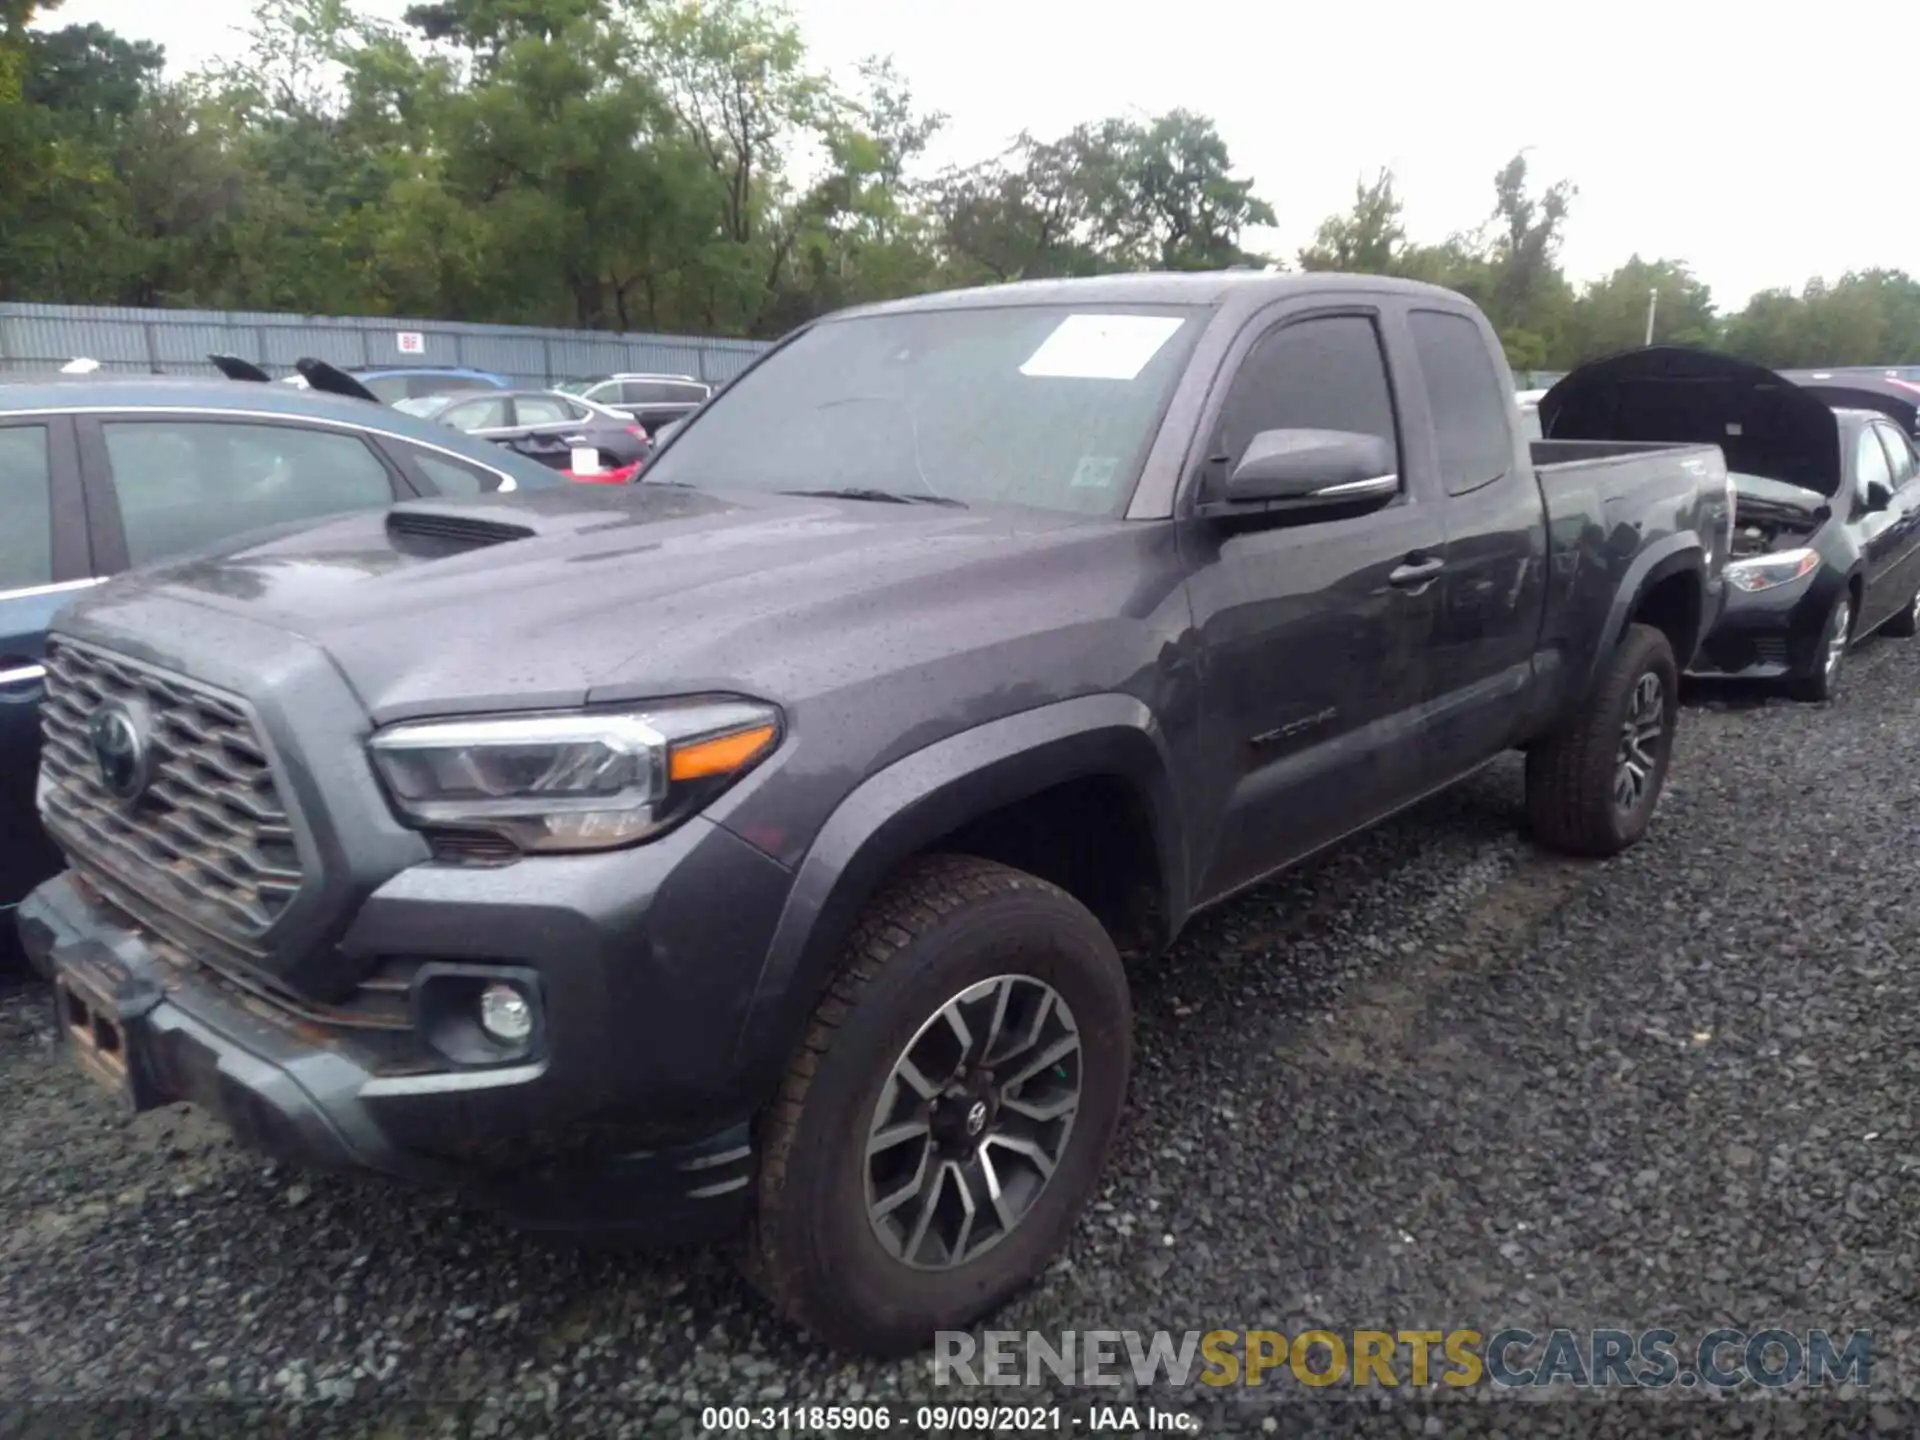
(94, 1002)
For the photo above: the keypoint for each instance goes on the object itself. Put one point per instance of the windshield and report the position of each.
(1047, 406)
(576, 387)
(421, 405)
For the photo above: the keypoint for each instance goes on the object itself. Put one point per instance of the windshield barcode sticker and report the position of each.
(1101, 347)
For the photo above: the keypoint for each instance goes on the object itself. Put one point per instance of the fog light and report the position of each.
(505, 1014)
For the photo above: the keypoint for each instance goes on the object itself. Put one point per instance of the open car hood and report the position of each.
(234, 368)
(1764, 423)
(332, 381)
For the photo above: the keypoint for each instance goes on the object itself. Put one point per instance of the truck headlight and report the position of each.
(587, 780)
(1765, 572)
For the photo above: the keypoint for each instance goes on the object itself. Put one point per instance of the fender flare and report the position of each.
(898, 811)
(1677, 554)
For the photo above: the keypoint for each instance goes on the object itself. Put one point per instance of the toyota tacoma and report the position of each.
(758, 849)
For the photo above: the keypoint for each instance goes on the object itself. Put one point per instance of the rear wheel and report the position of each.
(1592, 786)
(949, 1112)
(1836, 636)
(1906, 624)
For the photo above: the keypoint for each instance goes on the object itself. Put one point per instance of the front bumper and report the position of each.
(1767, 635)
(512, 1137)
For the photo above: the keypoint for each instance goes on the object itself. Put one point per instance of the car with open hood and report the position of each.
(1826, 543)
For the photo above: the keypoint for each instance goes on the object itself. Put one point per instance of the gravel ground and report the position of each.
(1436, 1079)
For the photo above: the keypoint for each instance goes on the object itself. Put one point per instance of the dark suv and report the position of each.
(758, 845)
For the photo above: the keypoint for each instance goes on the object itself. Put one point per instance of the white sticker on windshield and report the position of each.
(1101, 347)
(1094, 472)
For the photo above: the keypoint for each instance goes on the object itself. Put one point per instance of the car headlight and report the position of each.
(1764, 572)
(587, 780)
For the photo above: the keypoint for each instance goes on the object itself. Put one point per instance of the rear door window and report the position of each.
(1466, 397)
(182, 484)
(26, 508)
(542, 410)
(389, 388)
(488, 414)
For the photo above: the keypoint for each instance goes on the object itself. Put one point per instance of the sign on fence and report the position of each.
(412, 342)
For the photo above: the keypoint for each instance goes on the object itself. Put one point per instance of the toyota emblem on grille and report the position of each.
(120, 749)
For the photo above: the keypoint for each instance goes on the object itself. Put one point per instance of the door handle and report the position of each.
(1412, 572)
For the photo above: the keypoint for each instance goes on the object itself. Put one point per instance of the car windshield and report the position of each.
(421, 405)
(1047, 406)
(576, 387)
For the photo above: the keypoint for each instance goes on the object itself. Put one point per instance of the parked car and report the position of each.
(762, 839)
(653, 400)
(390, 383)
(101, 472)
(566, 433)
(1826, 548)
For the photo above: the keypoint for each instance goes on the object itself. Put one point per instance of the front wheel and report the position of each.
(1592, 785)
(1820, 684)
(950, 1109)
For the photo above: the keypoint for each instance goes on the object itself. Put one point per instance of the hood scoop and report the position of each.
(434, 533)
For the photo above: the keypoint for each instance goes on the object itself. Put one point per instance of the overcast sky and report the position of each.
(1762, 146)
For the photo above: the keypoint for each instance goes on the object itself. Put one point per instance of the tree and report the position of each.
(1116, 195)
(1369, 239)
(1611, 315)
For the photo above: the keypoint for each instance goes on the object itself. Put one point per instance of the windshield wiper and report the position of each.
(891, 497)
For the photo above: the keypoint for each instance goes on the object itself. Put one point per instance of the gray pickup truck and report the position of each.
(756, 848)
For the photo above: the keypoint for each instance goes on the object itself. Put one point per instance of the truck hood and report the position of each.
(1764, 423)
(558, 597)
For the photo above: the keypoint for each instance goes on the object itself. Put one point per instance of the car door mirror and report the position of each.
(1293, 470)
(1879, 496)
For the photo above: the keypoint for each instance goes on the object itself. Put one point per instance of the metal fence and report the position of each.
(177, 342)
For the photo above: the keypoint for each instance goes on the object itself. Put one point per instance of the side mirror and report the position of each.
(1879, 497)
(1308, 469)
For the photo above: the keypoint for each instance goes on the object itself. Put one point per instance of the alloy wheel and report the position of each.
(1837, 640)
(1639, 744)
(972, 1122)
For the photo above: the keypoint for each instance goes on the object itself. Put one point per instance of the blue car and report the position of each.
(100, 473)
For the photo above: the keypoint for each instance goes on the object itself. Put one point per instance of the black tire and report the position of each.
(1906, 624)
(1822, 683)
(1571, 775)
(944, 924)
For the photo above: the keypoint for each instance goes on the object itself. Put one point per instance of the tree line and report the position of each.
(685, 166)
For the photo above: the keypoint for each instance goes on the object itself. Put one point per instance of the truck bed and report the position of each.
(1613, 507)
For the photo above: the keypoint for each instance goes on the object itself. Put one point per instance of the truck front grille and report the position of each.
(209, 841)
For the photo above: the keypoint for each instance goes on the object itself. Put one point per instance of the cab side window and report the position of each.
(1468, 401)
(1327, 372)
